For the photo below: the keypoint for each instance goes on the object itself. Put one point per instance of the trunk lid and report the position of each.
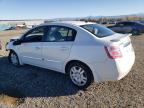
(123, 41)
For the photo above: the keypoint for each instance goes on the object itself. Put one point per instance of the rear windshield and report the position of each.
(98, 30)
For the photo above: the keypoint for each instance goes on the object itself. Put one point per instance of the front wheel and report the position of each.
(80, 75)
(135, 32)
(13, 58)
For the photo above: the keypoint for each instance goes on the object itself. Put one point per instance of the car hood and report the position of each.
(16, 37)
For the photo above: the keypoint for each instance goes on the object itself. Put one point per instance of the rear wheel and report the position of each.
(13, 58)
(80, 75)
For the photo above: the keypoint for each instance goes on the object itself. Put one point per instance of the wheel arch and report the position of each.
(20, 61)
(78, 61)
(11, 50)
(83, 63)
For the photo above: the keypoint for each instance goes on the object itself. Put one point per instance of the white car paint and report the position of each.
(86, 48)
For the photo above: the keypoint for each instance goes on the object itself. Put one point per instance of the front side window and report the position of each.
(98, 30)
(139, 24)
(125, 24)
(120, 24)
(34, 35)
(60, 34)
(129, 24)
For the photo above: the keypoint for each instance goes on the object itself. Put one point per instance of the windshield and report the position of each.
(98, 30)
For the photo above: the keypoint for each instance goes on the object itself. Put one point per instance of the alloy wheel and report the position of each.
(78, 75)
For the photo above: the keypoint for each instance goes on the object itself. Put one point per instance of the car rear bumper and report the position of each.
(112, 69)
(124, 65)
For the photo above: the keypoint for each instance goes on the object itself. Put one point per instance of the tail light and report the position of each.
(113, 52)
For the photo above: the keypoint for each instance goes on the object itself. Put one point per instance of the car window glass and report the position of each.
(125, 24)
(98, 30)
(120, 24)
(128, 24)
(35, 35)
(138, 24)
(60, 34)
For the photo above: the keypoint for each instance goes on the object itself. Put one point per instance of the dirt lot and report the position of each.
(30, 87)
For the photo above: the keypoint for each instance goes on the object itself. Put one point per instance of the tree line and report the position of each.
(112, 19)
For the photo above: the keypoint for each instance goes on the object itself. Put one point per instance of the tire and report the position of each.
(80, 75)
(13, 58)
(135, 32)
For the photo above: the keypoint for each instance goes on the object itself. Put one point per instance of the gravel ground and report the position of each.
(31, 87)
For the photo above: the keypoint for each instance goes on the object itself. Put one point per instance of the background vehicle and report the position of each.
(87, 52)
(0, 45)
(128, 27)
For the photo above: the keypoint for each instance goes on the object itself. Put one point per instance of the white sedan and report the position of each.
(85, 51)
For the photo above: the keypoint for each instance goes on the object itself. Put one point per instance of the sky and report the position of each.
(48, 9)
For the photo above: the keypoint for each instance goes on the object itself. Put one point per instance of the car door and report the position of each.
(57, 46)
(127, 28)
(117, 28)
(30, 49)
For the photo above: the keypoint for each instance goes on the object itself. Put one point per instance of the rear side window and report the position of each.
(98, 30)
(129, 24)
(60, 34)
(126, 24)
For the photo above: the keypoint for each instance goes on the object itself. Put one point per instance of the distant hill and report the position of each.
(97, 17)
(118, 16)
(77, 18)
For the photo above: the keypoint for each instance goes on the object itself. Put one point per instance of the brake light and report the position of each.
(113, 52)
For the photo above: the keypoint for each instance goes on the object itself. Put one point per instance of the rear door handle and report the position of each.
(37, 48)
(64, 48)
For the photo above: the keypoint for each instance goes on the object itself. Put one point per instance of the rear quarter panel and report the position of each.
(87, 48)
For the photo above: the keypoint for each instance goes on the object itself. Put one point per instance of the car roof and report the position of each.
(134, 22)
(127, 22)
(76, 23)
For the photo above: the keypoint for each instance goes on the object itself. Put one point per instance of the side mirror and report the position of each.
(17, 42)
